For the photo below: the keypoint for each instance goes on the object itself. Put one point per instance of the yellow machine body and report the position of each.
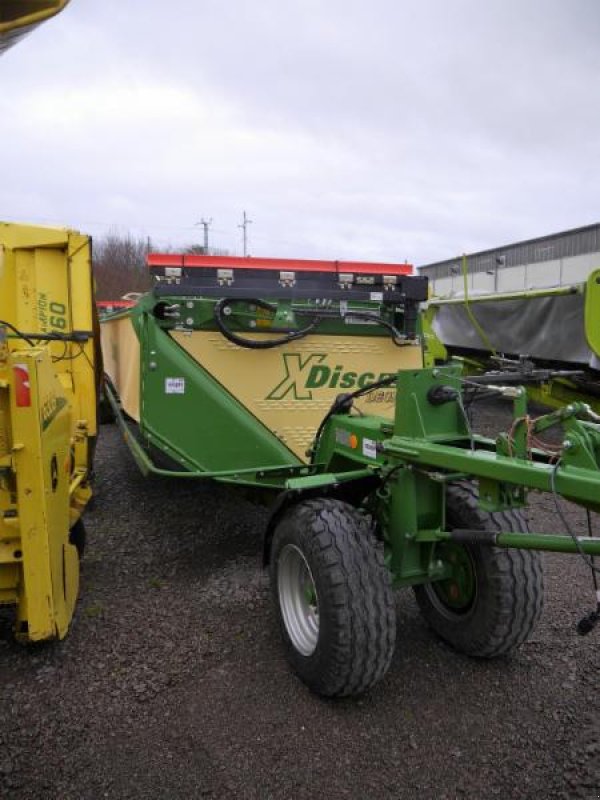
(48, 390)
(20, 17)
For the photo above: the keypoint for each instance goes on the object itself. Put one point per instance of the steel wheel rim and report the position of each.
(461, 604)
(298, 599)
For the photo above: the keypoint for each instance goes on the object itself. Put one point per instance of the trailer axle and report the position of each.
(525, 541)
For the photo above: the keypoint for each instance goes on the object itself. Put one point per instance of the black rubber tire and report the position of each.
(106, 416)
(77, 536)
(356, 608)
(509, 585)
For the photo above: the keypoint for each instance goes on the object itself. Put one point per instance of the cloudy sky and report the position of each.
(381, 130)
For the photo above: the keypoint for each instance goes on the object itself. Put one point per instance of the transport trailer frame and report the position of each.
(409, 498)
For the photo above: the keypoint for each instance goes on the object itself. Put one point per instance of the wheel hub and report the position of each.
(457, 591)
(298, 599)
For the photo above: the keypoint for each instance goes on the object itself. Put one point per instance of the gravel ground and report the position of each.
(172, 681)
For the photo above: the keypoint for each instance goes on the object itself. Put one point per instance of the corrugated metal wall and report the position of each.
(568, 257)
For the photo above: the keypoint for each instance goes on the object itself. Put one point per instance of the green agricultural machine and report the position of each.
(306, 384)
(548, 338)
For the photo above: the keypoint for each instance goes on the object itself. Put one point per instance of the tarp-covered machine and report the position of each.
(554, 332)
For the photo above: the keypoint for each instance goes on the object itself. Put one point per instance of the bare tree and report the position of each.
(120, 266)
(200, 250)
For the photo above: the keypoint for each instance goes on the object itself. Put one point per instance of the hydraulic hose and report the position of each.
(292, 335)
(254, 344)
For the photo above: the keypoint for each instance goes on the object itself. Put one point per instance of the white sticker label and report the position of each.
(174, 385)
(376, 295)
(369, 448)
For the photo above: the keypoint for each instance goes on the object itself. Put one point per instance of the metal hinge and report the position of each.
(287, 279)
(225, 277)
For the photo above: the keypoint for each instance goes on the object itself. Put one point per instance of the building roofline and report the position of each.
(488, 251)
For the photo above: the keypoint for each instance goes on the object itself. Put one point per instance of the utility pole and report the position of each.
(244, 227)
(206, 223)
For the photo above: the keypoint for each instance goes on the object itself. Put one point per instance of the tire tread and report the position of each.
(515, 578)
(348, 566)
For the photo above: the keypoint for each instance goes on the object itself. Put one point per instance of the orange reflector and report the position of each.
(22, 388)
(353, 441)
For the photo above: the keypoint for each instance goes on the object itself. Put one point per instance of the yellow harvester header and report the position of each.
(20, 17)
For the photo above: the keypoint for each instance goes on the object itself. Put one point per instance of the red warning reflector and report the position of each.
(22, 388)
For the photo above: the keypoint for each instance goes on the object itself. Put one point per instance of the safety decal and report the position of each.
(369, 448)
(174, 385)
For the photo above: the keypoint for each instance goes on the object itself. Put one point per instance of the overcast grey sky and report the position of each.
(346, 129)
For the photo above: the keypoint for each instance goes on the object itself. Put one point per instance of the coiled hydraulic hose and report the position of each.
(290, 334)
(254, 344)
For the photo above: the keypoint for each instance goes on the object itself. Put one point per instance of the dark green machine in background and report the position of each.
(409, 497)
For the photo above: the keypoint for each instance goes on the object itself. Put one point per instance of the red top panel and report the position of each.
(286, 264)
(115, 303)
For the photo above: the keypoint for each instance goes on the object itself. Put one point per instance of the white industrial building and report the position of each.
(560, 259)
